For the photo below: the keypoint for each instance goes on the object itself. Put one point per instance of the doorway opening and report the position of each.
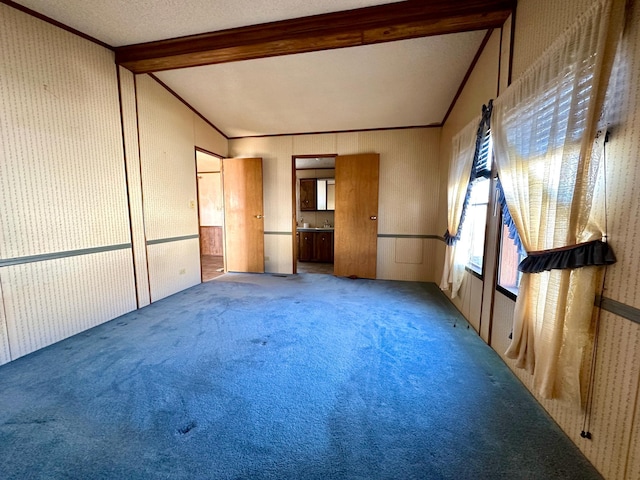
(210, 214)
(314, 217)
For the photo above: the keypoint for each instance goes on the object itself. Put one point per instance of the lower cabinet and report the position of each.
(315, 247)
(305, 246)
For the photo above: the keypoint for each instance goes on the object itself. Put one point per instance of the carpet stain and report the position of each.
(187, 428)
(35, 421)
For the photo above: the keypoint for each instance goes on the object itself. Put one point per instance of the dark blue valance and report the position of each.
(476, 172)
(595, 253)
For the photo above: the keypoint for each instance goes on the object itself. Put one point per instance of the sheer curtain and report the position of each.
(547, 152)
(463, 151)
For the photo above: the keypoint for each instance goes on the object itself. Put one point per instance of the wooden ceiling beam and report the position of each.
(364, 26)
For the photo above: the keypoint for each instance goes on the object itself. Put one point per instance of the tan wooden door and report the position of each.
(356, 215)
(243, 214)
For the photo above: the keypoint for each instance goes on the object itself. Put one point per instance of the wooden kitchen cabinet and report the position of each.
(308, 194)
(323, 247)
(315, 247)
(305, 246)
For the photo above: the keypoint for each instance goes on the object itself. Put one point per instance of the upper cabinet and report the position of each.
(308, 194)
(317, 194)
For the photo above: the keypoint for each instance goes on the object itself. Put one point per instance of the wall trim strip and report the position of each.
(394, 235)
(172, 239)
(278, 233)
(7, 262)
(329, 132)
(610, 305)
(618, 308)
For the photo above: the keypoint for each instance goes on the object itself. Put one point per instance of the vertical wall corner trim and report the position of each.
(127, 180)
(4, 326)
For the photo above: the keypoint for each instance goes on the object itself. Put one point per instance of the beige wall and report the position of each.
(89, 230)
(168, 171)
(408, 194)
(78, 209)
(63, 191)
(169, 132)
(614, 424)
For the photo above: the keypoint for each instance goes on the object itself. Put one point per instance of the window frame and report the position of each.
(485, 159)
(501, 239)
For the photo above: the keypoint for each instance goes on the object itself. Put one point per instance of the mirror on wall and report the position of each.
(326, 193)
(316, 184)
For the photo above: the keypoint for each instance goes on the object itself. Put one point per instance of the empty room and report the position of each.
(355, 239)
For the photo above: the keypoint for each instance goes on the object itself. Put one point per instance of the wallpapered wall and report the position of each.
(615, 445)
(408, 194)
(85, 221)
(63, 186)
(71, 258)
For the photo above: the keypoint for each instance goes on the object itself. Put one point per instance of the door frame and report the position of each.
(294, 204)
(195, 161)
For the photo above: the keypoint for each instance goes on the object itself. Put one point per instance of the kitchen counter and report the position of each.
(317, 229)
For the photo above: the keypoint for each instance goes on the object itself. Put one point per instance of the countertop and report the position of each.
(317, 229)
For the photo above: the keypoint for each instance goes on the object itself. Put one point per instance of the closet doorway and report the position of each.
(210, 215)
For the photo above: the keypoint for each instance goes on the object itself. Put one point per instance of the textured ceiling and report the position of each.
(125, 22)
(395, 84)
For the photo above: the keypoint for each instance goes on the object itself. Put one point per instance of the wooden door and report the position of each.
(243, 214)
(356, 215)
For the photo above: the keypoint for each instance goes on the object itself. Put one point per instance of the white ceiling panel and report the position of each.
(386, 85)
(396, 84)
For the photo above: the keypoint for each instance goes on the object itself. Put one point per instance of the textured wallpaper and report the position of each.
(614, 423)
(61, 172)
(62, 185)
(51, 300)
(408, 163)
(168, 166)
(167, 157)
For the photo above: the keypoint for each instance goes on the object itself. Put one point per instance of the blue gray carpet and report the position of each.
(266, 377)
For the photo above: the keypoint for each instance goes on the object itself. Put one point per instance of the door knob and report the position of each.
(373, 217)
(259, 216)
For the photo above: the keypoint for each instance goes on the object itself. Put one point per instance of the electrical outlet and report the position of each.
(266, 259)
(192, 204)
(182, 271)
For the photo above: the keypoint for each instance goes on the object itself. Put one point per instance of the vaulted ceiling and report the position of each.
(265, 67)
